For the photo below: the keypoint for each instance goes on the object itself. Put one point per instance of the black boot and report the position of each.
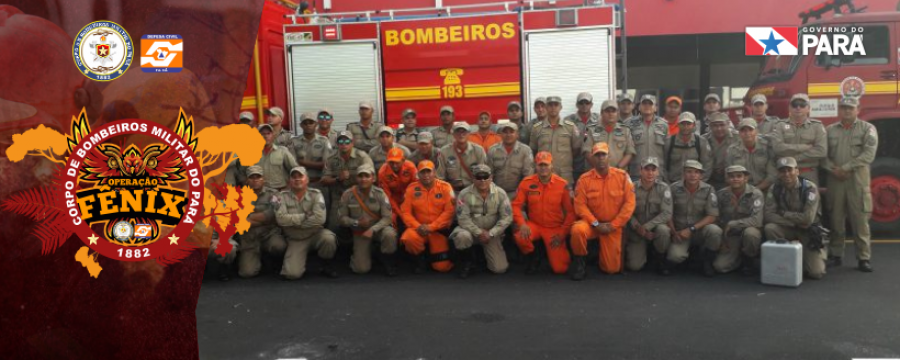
(223, 272)
(663, 267)
(389, 261)
(864, 266)
(708, 257)
(534, 261)
(578, 268)
(421, 264)
(834, 261)
(747, 266)
(328, 270)
(467, 259)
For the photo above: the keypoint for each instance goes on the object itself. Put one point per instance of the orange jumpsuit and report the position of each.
(543, 203)
(485, 141)
(395, 184)
(434, 207)
(607, 199)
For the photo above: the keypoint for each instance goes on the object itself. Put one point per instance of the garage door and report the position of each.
(567, 62)
(337, 76)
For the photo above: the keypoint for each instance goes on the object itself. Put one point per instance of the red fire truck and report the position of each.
(473, 57)
(872, 76)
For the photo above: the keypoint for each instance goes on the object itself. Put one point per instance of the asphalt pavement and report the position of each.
(846, 315)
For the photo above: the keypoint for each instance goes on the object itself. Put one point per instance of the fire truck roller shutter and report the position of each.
(567, 62)
(337, 76)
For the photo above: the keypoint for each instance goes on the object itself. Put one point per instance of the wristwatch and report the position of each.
(595, 223)
(692, 228)
(355, 223)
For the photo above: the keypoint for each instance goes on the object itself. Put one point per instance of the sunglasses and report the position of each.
(482, 177)
(344, 142)
(798, 105)
(326, 117)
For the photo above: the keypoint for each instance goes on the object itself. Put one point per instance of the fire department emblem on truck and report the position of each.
(133, 190)
(102, 51)
(853, 87)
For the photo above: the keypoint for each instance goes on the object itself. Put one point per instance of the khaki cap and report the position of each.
(386, 129)
(408, 112)
(687, 116)
(507, 125)
(849, 101)
(712, 96)
(584, 96)
(541, 100)
(346, 134)
(624, 97)
(425, 137)
(649, 97)
(736, 168)
(787, 162)
(554, 99)
(719, 117)
(265, 126)
(365, 169)
(800, 96)
(693, 164)
(246, 115)
(447, 108)
(307, 116)
(609, 104)
(650, 160)
(481, 169)
(299, 169)
(758, 98)
(365, 104)
(254, 170)
(460, 125)
(513, 103)
(275, 111)
(747, 122)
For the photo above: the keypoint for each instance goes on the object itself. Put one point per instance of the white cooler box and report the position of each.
(782, 263)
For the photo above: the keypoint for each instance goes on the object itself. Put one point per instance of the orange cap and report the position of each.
(601, 147)
(426, 164)
(543, 157)
(673, 98)
(395, 155)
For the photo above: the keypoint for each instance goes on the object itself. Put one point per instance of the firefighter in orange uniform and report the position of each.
(604, 202)
(542, 195)
(428, 211)
(394, 177)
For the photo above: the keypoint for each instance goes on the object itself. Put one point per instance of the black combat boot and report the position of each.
(421, 264)
(328, 269)
(389, 261)
(663, 267)
(747, 265)
(578, 268)
(223, 272)
(834, 261)
(864, 266)
(708, 257)
(534, 260)
(467, 258)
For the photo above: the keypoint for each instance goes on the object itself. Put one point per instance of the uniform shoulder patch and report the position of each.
(812, 196)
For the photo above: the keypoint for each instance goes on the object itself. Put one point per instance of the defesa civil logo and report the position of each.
(102, 50)
(162, 53)
(809, 40)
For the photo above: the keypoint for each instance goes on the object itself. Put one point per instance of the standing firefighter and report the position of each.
(365, 131)
(428, 212)
(650, 133)
(274, 117)
(516, 116)
(483, 213)
(264, 235)
(604, 201)
(458, 158)
(301, 215)
(694, 218)
(618, 136)
(386, 143)
(650, 222)
(741, 216)
(276, 161)
(852, 144)
(559, 137)
(755, 155)
(340, 172)
(801, 138)
(408, 135)
(443, 134)
(542, 196)
(686, 145)
(792, 213)
(310, 148)
(365, 209)
(510, 161)
(720, 137)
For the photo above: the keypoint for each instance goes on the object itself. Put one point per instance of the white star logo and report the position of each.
(93, 239)
(173, 240)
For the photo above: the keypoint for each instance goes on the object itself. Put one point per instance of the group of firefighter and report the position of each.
(659, 189)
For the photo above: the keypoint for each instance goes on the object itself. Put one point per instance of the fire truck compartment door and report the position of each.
(567, 62)
(337, 76)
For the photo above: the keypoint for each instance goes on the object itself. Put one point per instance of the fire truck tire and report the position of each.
(886, 197)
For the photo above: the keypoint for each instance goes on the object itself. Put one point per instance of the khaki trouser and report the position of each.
(813, 260)
(636, 247)
(729, 258)
(709, 237)
(361, 260)
(325, 242)
(229, 257)
(270, 242)
(849, 200)
(493, 250)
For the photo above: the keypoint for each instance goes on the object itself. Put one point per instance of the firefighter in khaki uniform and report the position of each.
(264, 235)
(457, 158)
(397, 174)
(618, 136)
(483, 213)
(741, 208)
(386, 142)
(604, 201)
(310, 148)
(802, 138)
(325, 118)
(365, 209)
(274, 117)
(650, 133)
(301, 215)
(626, 107)
(559, 137)
(852, 144)
(276, 161)
(650, 222)
(583, 119)
(365, 131)
(754, 154)
(443, 134)
(542, 195)
(765, 124)
(684, 146)
(408, 135)
(694, 214)
(340, 173)
(510, 161)
(720, 137)
(428, 212)
(516, 116)
(792, 207)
